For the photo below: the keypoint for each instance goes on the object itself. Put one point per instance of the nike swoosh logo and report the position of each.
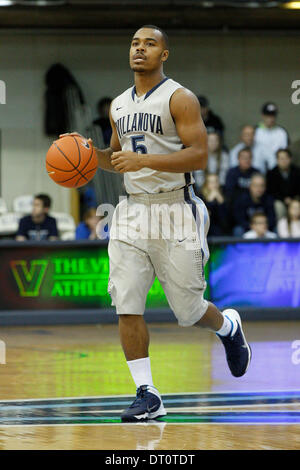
(152, 408)
(179, 241)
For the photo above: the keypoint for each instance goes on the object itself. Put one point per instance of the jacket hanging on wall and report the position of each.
(63, 96)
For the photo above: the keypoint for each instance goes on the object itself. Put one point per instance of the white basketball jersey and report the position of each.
(145, 125)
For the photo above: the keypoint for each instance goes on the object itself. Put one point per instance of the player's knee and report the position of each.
(192, 314)
(125, 298)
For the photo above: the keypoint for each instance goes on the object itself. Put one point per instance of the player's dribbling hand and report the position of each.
(126, 161)
(76, 134)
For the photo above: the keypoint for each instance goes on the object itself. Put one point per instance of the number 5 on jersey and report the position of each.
(136, 144)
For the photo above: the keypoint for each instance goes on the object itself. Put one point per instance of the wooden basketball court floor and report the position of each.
(63, 387)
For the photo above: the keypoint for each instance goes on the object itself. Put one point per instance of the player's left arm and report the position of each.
(185, 109)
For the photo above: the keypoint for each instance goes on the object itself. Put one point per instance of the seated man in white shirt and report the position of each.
(259, 227)
(257, 150)
(269, 135)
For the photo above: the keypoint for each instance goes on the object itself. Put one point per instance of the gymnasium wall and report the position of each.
(237, 73)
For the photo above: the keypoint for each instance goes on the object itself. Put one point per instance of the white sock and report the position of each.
(228, 328)
(141, 371)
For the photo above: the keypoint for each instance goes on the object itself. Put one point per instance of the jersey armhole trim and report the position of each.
(179, 88)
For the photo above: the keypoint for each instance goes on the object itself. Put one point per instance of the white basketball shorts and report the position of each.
(161, 235)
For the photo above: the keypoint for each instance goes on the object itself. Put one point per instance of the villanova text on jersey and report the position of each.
(145, 125)
(142, 122)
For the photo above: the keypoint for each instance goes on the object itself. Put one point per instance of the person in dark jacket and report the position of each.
(212, 195)
(283, 182)
(238, 178)
(212, 121)
(39, 225)
(61, 94)
(103, 121)
(254, 200)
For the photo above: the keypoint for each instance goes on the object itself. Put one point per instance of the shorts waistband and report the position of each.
(176, 195)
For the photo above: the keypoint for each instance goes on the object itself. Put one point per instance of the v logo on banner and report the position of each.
(29, 280)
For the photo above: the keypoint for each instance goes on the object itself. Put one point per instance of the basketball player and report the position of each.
(158, 139)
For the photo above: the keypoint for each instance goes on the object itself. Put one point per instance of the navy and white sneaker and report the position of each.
(147, 405)
(238, 351)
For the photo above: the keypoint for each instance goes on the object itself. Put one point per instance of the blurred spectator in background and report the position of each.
(218, 161)
(212, 196)
(212, 121)
(254, 200)
(88, 198)
(290, 226)
(247, 140)
(103, 121)
(259, 227)
(91, 228)
(283, 182)
(238, 178)
(271, 136)
(87, 228)
(39, 225)
(295, 150)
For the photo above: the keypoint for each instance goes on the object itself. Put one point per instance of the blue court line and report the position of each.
(227, 417)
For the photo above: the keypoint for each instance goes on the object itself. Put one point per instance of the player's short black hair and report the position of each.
(46, 200)
(164, 34)
(284, 150)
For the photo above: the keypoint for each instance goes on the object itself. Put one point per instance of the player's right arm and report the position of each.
(104, 155)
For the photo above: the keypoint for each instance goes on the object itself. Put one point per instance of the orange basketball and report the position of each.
(71, 161)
